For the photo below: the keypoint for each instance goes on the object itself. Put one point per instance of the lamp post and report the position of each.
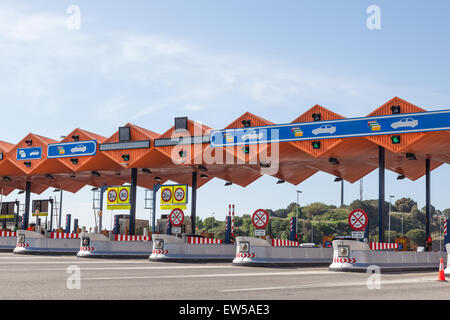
(296, 215)
(60, 205)
(390, 208)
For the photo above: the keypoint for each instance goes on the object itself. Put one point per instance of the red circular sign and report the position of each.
(179, 194)
(260, 219)
(358, 220)
(123, 195)
(176, 217)
(112, 195)
(166, 195)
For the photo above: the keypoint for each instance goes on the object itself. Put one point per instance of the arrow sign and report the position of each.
(341, 128)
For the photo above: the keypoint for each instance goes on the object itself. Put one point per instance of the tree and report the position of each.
(405, 204)
(432, 210)
(417, 236)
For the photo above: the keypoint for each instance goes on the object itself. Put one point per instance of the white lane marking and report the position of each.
(214, 275)
(331, 285)
(120, 268)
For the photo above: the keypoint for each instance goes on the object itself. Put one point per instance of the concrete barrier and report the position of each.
(259, 252)
(30, 242)
(349, 255)
(173, 249)
(94, 245)
(7, 241)
(447, 269)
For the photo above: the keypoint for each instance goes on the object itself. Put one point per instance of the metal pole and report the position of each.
(342, 192)
(428, 204)
(381, 166)
(194, 201)
(133, 190)
(390, 206)
(60, 208)
(26, 213)
(312, 230)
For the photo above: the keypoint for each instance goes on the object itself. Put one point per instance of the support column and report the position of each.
(194, 201)
(26, 214)
(60, 208)
(381, 192)
(51, 216)
(342, 192)
(133, 190)
(100, 212)
(428, 201)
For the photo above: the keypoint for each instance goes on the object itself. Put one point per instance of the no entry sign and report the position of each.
(260, 219)
(358, 219)
(176, 217)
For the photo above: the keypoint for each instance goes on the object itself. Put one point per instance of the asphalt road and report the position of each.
(46, 277)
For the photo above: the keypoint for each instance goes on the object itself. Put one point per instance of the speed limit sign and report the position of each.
(123, 195)
(112, 195)
(166, 195)
(179, 194)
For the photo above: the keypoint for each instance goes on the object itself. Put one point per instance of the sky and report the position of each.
(146, 62)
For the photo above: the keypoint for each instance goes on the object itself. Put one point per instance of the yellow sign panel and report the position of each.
(7, 216)
(173, 196)
(118, 198)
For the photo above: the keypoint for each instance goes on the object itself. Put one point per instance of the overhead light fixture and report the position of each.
(5, 178)
(1, 155)
(95, 173)
(395, 109)
(29, 142)
(118, 173)
(74, 160)
(202, 168)
(401, 177)
(147, 171)
(264, 164)
(57, 190)
(204, 176)
(76, 138)
(246, 149)
(182, 153)
(94, 189)
(337, 179)
(411, 156)
(72, 175)
(315, 145)
(316, 116)
(334, 161)
(228, 183)
(280, 181)
(158, 179)
(49, 176)
(246, 123)
(126, 157)
(27, 164)
(21, 191)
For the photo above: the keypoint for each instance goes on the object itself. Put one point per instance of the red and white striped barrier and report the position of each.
(59, 235)
(383, 246)
(158, 251)
(284, 243)
(125, 237)
(245, 255)
(90, 249)
(7, 234)
(198, 240)
(445, 227)
(344, 260)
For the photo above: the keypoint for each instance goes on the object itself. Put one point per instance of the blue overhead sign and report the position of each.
(72, 149)
(29, 153)
(342, 128)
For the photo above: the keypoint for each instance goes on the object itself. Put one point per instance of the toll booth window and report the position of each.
(124, 134)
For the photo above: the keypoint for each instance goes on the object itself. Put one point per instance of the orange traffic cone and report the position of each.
(441, 271)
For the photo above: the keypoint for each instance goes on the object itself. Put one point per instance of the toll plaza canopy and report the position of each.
(85, 158)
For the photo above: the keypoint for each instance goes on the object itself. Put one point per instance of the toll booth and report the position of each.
(9, 214)
(161, 225)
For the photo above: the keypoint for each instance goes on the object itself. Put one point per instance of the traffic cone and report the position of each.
(441, 271)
